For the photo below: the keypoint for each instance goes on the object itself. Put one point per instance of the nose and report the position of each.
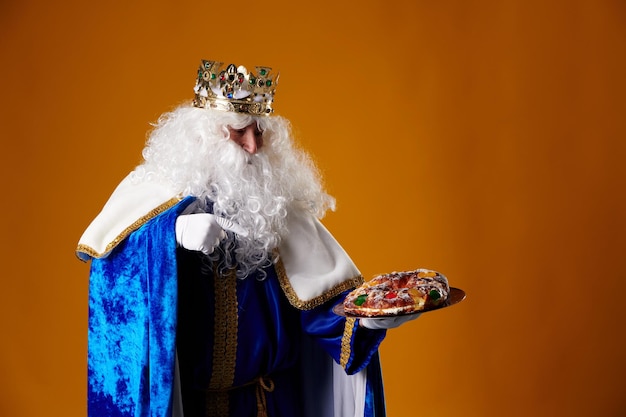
(248, 142)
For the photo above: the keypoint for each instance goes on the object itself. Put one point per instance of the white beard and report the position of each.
(190, 148)
(256, 192)
(249, 190)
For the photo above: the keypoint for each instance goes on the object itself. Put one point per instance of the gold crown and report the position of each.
(235, 89)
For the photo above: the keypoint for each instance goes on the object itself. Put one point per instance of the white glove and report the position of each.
(387, 322)
(199, 232)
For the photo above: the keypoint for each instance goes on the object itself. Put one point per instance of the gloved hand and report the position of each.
(387, 322)
(199, 232)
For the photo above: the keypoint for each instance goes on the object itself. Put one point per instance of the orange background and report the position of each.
(484, 139)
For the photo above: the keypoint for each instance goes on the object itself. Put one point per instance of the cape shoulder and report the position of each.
(312, 267)
(130, 206)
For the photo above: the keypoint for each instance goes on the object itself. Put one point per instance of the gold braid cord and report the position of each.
(264, 384)
(345, 342)
(225, 346)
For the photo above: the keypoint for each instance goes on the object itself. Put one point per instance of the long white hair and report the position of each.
(190, 148)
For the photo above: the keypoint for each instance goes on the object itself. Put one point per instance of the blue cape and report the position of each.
(133, 298)
(132, 323)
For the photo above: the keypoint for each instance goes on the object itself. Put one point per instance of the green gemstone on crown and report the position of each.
(268, 82)
(262, 72)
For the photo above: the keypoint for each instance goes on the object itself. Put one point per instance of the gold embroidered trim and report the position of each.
(216, 404)
(225, 344)
(85, 249)
(345, 342)
(317, 301)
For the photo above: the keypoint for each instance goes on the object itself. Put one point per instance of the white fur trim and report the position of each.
(122, 214)
(313, 260)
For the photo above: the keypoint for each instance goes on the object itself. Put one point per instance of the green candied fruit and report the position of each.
(434, 294)
(360, 299)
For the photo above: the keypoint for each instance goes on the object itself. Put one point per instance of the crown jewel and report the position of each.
(235, 89)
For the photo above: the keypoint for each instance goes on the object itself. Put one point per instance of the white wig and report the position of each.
(191, 149)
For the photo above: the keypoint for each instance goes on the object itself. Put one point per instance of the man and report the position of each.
(213, 281)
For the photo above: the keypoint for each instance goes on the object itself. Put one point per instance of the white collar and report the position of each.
(312, 266)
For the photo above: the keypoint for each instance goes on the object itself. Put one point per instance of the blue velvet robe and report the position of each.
(149, 299)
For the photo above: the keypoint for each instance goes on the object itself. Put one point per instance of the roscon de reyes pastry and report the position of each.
(398, 293)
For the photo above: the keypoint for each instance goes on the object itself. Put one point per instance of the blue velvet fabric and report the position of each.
(132, 323)
(148, 298)
(374, 391)
(270, 338)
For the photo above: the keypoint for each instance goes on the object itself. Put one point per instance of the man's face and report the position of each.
(250, 138)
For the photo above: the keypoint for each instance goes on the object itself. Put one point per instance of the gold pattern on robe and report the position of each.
(225, 345)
